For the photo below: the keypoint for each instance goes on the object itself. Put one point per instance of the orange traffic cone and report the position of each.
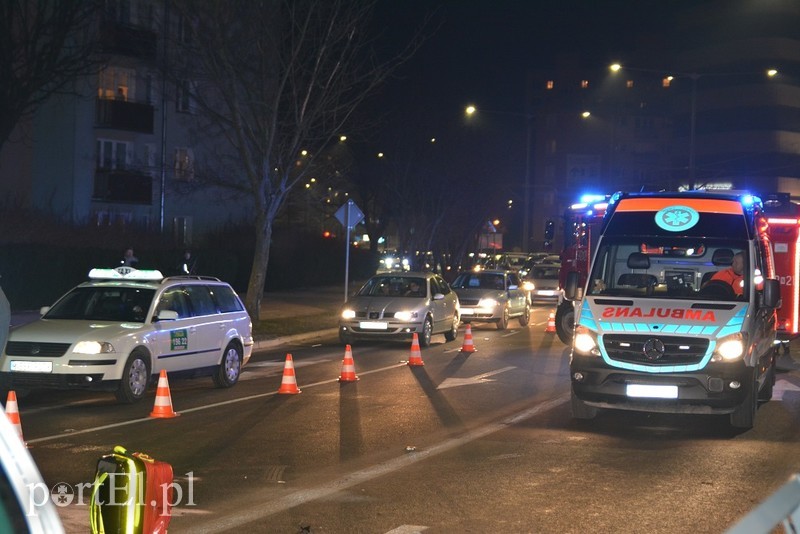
(551, 324)
(288, 382)
(348, 367)
(416, 355)
(163, 404)
(12, 412)
(468, 345)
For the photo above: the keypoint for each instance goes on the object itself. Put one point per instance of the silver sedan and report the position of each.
(398, 305)
(492, 296)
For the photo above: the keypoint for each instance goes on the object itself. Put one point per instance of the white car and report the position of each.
(120, 329)
(492, 297)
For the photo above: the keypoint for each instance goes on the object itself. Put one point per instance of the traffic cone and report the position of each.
(348, 367)
(163, 404)
(12, 412)
(468, 345)
(416, 355)
(288, 382)
(551, 324)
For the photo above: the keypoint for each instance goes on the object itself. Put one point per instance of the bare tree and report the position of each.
(44, 46)
(274, 78)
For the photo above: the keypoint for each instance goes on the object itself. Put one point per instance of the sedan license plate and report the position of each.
(22, 366)
(651, 391)
(546, 293)
(373, 325)
(466, 311)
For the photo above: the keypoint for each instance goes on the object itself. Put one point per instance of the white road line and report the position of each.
(270, 507)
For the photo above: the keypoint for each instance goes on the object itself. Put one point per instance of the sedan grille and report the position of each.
(634, 349)
(36, 349)
(469, 302)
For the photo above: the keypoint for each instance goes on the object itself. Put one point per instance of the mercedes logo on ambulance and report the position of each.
(653, 349)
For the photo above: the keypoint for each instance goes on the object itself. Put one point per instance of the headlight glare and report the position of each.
(405, 315)
(487, 303)
(585, 342)
(348, 314)
(730, 348)
(93, 347)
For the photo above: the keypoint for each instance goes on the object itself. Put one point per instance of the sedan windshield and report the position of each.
(394, 286)
(118, 304)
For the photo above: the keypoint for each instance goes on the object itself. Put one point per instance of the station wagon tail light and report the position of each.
(585, 341)
(93, 347)
(405, 315)
(729, 348)
(348, 314)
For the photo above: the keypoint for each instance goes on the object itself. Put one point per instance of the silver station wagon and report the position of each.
(117, 332)
(398, 305)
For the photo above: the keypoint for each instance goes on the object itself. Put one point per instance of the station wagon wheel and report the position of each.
(427, 332)
(135, 378)
(230, 368)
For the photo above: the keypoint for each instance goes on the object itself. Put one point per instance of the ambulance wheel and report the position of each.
(565, 322)
(745, 415)
(581, 410)
(135, 378)
(230, 368)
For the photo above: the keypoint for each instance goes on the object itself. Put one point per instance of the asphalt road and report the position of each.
(479, 442)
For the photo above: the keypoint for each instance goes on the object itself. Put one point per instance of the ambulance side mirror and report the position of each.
(771, 298)
(571, 285)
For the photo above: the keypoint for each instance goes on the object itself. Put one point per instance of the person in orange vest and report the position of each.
(733, 274)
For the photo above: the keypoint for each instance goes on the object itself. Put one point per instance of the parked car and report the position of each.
(542, 282)
(117, 332)
(492, 296)
(398, 305)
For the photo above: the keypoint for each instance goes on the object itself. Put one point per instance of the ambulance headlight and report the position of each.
(729, 348)
(93, 347)
(585, 342)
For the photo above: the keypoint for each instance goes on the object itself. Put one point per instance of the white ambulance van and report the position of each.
(664, 324)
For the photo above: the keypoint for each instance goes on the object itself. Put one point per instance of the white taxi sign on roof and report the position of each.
(125, 273)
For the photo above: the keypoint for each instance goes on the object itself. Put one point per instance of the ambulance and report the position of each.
(663, 324)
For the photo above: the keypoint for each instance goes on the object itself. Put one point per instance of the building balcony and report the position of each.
(124, 115)
(123, 186)
(125, 40)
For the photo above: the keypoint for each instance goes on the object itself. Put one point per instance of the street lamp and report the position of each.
(471, 110)
(693, 76)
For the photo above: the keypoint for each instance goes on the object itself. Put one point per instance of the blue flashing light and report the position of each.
(589, 198)
(579, 206)
(614, 198)
(748, 200)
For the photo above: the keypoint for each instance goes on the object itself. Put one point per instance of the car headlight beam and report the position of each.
(405, 315)
(730, 348)
(93, 347)
(585, 342)
(348, 314)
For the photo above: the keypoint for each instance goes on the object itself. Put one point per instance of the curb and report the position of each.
(261, 344)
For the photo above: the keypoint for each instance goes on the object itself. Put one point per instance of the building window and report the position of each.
(629, 84)
(666, 81)
(184, 166)
(114, 83)
(584, 84)
(182, 230)
(113, 154)
(183, 100)
(150, 155)
(550, 84)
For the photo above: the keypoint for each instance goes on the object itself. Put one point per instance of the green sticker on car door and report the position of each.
(178, 340)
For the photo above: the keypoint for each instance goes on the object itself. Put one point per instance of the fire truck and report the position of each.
(582, 223)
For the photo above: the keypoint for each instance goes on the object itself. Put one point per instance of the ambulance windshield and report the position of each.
(671, 267)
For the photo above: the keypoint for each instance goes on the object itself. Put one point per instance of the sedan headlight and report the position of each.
(487, 303)
(729, 348)
(348, 314)
(93, 347)
(405, 315)
(586, 341)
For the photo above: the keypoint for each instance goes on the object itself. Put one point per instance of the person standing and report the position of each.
(187, 264)
(129, 259)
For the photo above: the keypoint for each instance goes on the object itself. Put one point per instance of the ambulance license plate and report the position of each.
(649, 391)
(22, 366)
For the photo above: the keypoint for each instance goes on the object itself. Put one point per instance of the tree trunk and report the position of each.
(258, 272)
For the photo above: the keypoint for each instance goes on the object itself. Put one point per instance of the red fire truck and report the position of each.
(582, 222)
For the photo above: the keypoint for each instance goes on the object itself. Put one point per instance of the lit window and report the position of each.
(629, 84)
(584, 84)
(550, 84)
(666, 81)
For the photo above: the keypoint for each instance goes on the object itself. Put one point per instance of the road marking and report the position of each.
(408, 529)
(252, 371)
(267, 508)
(477, 379)
(73, 432)
(781, 387)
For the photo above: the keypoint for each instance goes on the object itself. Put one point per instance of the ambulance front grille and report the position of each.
(636, 349)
